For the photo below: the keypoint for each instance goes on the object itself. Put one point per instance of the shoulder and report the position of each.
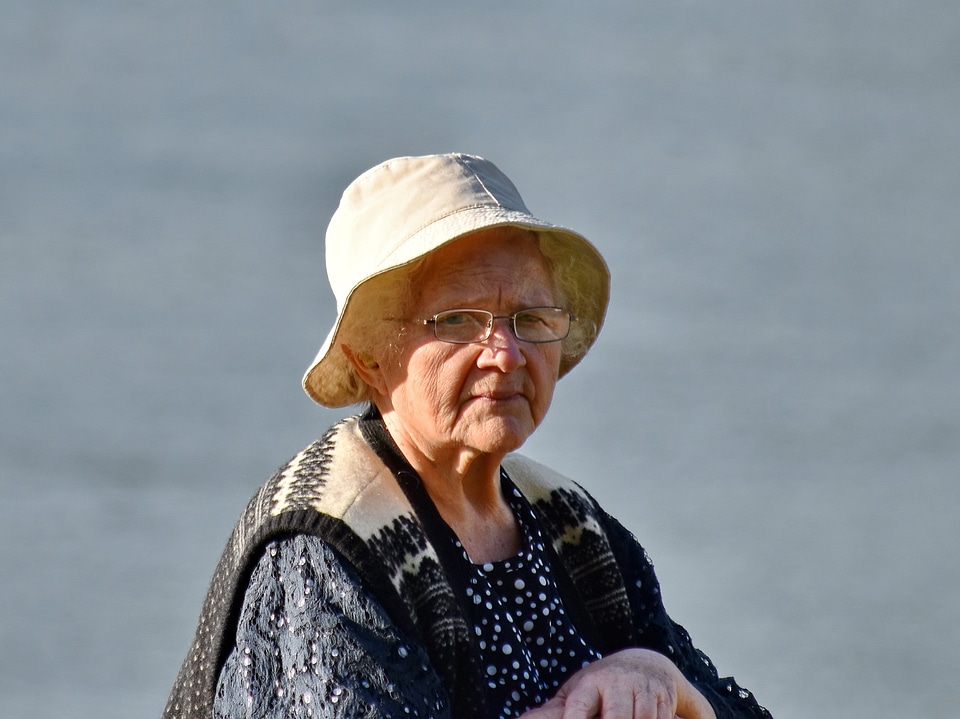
(560, 500)
(336, 481)
(536, 480)
(327, 475)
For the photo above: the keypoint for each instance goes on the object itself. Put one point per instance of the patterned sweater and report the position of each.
(353, 489)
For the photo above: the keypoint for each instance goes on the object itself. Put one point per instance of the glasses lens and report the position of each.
(542, 324)
(537, 324)
(462, 326)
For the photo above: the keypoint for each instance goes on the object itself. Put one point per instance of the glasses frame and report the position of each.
(493, 318)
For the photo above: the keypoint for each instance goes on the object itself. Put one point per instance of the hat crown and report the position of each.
(390, 203)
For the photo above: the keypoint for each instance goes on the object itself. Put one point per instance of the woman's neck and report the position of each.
(465, 487)
(483, 521)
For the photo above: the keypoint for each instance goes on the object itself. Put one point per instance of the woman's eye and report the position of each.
(529, 320)
(455, 318)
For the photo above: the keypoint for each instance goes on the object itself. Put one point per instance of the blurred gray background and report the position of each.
(773, 406)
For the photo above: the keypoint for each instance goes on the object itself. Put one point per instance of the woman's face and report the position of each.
(486, 397)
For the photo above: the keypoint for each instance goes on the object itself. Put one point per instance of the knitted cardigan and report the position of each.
(354, 490)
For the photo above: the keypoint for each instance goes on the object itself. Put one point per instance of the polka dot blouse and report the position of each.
(528, 646)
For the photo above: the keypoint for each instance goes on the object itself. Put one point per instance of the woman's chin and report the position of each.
(502, 434)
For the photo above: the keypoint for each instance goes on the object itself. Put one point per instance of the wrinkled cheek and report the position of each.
(541, 407)
(448, 411)
(541, 401)
(545, 384)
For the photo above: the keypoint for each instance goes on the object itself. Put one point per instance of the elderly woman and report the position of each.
(408, 564)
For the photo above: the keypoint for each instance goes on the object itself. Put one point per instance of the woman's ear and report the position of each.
(368, 369)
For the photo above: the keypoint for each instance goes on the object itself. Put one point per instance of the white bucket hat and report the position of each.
(405, 208)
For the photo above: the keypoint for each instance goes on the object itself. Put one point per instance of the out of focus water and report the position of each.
(773, 407)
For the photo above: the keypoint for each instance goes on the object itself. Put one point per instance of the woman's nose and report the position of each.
(502, 348)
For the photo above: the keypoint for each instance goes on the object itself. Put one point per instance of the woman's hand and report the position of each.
(631, 684)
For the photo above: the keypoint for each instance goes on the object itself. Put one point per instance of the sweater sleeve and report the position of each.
(657, 631)
(312, 641)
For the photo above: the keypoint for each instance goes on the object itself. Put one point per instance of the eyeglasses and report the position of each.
(534, 324)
